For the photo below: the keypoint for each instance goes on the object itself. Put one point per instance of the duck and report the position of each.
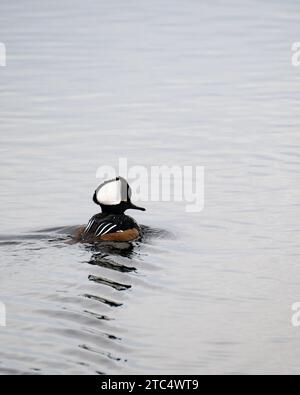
(112, 224)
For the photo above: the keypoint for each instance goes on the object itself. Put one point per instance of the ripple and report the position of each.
(103, 261)
(113, 284)
(102, 300)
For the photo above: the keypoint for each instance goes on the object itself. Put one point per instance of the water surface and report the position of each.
(205, 83)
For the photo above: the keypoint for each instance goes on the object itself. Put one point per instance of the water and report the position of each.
(205, 83)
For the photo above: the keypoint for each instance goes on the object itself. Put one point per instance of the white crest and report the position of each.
(110, 193)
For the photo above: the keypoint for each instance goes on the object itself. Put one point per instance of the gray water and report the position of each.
(202, 83)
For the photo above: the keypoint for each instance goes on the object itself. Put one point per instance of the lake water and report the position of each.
(202, 83)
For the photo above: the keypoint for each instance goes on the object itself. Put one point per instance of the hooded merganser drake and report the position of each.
(114, 198)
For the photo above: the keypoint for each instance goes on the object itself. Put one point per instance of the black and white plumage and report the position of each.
(114, 196)
(105, 224)
(112, 224)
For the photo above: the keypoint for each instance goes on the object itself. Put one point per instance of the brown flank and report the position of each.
(127, 235)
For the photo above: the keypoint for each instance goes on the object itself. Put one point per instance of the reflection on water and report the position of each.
(83, 314)
(104, 261)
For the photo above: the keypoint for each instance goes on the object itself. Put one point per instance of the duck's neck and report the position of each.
(116, 210)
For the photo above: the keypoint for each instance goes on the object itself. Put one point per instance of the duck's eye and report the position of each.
(110, 193)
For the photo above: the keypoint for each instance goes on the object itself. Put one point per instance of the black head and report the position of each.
(114, 197)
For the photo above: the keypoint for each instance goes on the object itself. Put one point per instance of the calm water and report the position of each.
(177, 83)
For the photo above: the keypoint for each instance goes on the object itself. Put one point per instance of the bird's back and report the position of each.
(118, 227)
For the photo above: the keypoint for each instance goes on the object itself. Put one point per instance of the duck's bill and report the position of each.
(134, 207)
